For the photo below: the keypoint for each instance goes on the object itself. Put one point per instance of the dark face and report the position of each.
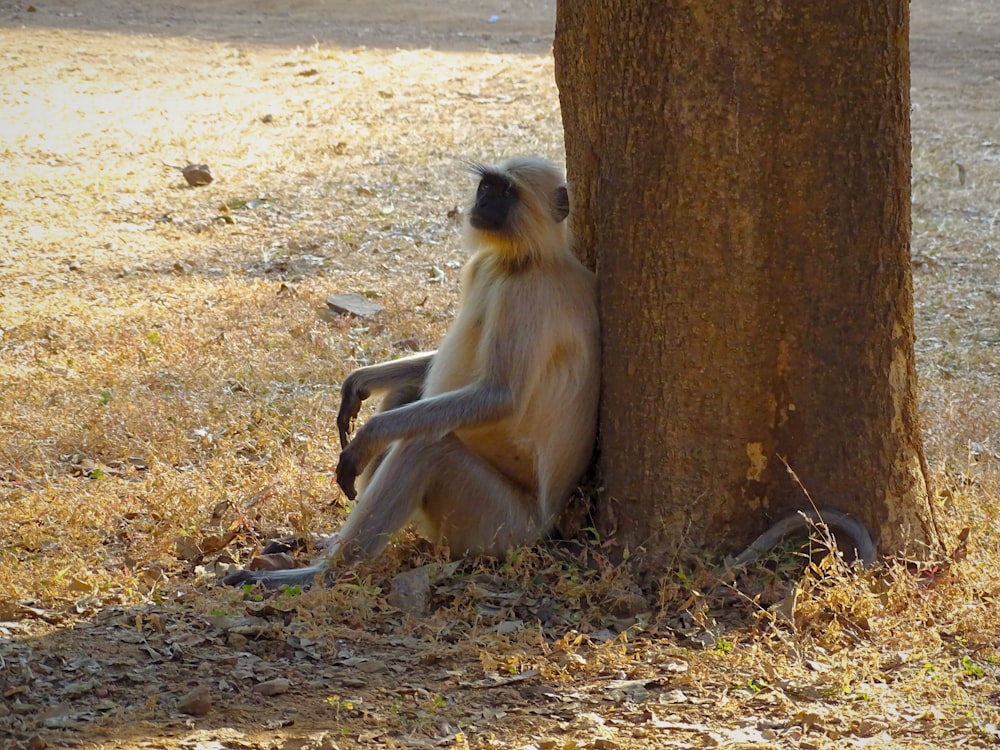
(495, 198)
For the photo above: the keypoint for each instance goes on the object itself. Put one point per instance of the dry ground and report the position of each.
(169, 377)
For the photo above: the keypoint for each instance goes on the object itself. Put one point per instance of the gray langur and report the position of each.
(480, 443)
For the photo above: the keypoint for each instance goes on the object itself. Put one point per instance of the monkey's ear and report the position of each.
(560, 204)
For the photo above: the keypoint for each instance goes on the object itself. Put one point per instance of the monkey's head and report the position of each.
(519, 208)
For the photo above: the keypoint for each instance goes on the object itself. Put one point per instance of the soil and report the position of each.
(176, 673)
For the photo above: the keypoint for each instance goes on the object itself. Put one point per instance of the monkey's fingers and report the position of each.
(351, 398)
(349, 409)
(345, 432)
(347, 473)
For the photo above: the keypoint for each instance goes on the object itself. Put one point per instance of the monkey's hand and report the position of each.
(347, 474)
(353, 460)
(352, 396)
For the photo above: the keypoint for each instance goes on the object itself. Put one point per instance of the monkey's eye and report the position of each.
(508, 190)
(483, 187)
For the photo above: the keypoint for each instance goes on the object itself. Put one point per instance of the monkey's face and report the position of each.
(518, 210)
(496, 199)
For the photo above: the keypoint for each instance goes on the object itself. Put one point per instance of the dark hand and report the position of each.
(358, 454)
(348, 469)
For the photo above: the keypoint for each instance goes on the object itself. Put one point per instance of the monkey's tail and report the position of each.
(801, 521)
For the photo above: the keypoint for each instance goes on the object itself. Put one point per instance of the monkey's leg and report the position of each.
(475, 508)
(364, 542)
(395, 398)
(400, 396)
(450, 492)
(387, 502)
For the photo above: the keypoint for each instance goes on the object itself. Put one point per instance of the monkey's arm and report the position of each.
(803, 521)
(361, 384)
(472, 406)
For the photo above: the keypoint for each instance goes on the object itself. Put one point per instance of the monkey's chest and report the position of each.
(456, 363)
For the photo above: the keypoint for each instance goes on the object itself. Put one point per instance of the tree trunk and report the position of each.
(740, 177)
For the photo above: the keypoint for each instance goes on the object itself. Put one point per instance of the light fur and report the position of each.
(485, 455)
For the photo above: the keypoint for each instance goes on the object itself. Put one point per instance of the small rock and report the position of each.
(277, 686)
(411, 591)
(353, 304)
(631, 691)
(197, 702)
(704, 640)
(197, 175)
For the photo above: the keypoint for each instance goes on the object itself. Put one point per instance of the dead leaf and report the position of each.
(275, 561)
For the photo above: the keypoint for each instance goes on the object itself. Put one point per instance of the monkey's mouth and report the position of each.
(486, 224)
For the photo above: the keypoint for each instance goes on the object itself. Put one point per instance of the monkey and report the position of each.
(802, 521)
(478, 444)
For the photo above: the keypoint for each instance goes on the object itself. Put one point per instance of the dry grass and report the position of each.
(170, 374)
(182, 330)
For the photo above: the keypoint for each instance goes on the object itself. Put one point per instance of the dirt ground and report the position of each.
(321, 122)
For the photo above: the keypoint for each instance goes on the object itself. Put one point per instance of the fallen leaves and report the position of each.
(170, 365)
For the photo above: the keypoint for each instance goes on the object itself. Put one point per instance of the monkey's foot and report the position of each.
(284, 545)
(273, 579)
(295, 543)
(239, 577)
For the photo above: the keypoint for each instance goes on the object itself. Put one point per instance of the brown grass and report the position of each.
(169, 374)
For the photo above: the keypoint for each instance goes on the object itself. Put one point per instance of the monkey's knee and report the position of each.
(472, 507)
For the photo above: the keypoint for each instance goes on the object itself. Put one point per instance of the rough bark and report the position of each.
(740, 178)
